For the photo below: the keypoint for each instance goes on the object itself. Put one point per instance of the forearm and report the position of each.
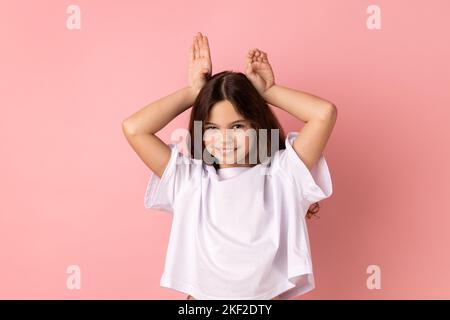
(155, 116)
(302, 105)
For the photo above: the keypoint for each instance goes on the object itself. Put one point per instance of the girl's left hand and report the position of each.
(259, 71)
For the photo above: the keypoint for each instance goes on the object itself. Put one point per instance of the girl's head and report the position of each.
(227, 106)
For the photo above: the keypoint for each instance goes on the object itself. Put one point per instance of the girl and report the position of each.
(239, 222)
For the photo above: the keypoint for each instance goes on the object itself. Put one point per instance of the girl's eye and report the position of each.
(236, 125)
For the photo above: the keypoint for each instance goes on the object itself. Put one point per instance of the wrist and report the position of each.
(267, 92)
(191, 94)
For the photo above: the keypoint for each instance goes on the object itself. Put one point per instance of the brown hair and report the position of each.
(240, 92)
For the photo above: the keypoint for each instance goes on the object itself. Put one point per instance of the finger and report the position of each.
(252, 52)
(248, 69)
(265, 57)
(193, 48)
(200, 44)
(259, 56)
(208, 52)
(251, 56)
(256, 56)
(249, 60)
(248, 66)
(191, 53)
(203, 49)
(196, 48)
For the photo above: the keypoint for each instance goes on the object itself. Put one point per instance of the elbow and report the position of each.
(127, 128)
(329, 112)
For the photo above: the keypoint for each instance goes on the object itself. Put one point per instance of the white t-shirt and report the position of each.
(225, 173)
(240, 233)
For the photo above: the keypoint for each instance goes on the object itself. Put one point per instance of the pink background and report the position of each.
(72, 188)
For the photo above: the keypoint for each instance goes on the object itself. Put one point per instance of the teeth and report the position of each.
(225, 150)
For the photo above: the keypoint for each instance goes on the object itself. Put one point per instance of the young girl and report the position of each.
(239, 222)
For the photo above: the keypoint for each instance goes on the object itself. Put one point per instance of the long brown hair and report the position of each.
(240, 92)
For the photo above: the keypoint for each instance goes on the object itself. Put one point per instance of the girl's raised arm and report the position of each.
(140, 128)
(319, 114)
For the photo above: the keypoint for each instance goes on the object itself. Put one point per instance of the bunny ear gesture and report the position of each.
(258, 70)
(199, 58)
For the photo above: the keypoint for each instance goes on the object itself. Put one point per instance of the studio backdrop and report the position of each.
(72, 219)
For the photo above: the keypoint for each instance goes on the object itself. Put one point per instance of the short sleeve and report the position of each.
(161, 191)
(314, 185)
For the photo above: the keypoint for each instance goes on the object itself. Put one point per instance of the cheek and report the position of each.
(209, 146)
(210, 137)
(241, 137)
(244, 140)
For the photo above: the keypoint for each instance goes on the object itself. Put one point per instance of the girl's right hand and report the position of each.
(200, 66)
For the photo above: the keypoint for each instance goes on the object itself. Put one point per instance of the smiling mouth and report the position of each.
(226, 150)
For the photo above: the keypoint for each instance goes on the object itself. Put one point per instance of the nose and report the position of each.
(228, 143)
(223, 140)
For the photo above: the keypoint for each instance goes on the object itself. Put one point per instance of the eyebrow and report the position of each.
(236, 121)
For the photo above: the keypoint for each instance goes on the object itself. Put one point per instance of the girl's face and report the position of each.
(226, 137)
